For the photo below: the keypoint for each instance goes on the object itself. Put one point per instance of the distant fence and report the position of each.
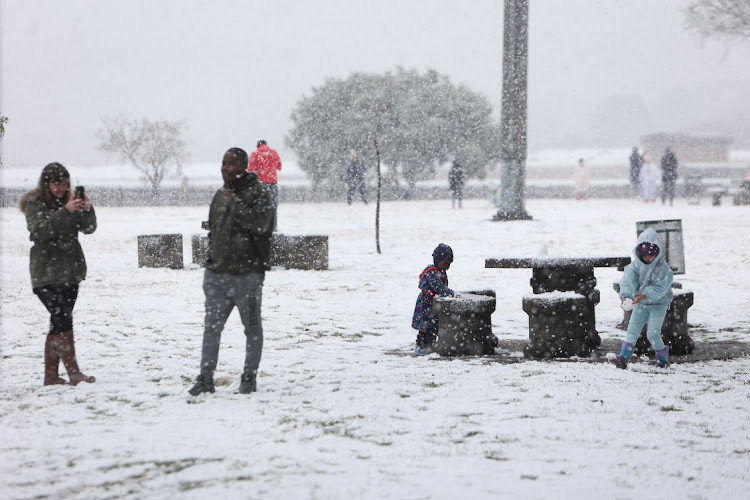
(201, 196)
(541, 187)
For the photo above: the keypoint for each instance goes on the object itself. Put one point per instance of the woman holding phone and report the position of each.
(54, 217)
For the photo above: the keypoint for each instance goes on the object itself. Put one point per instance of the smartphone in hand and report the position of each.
(80, 193)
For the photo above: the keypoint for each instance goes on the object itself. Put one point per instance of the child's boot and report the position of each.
(626, 351)
(424, 344)
(662, 357)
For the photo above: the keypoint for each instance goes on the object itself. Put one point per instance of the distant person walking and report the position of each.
(54, 217)
(240, 222)
(456, 182)
(582, 179)
(649, 179)
(355, 178)
(265, 162)
(668, 175)
(636, 163)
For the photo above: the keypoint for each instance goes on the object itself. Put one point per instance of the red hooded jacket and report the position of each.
(265, 161)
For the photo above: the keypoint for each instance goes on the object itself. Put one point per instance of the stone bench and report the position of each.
(674, 330)
(465, 324)
(289, 251)
(557, 325)
(623, 325)
(740, 196)
(716, 193)
(160, 250)
(309, 252)
(199, 245)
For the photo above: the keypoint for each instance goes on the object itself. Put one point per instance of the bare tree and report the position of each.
(153, 147)
(719, 18)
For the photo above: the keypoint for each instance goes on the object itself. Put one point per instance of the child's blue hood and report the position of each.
(643, 270)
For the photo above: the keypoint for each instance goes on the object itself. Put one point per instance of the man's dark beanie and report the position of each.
(442, 252)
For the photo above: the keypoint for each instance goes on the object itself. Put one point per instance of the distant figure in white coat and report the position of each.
(582, 179)
(650, 176)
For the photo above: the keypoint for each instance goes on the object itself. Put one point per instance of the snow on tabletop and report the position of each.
(555, 296)
(343, 410)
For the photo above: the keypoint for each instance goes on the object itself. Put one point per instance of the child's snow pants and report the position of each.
(653, 315)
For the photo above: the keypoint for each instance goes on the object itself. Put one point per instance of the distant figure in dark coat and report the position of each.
(355, 178)
(636, 162)
(456, 181)
(668, 175)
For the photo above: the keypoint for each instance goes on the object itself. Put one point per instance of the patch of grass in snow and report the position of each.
(472, 434)
(669, 408)
(432, 385)
(530, 373)
(495, 455)
(153, 468)
(530, 477)
(222, 381)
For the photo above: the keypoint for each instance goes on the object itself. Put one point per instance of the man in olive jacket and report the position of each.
(240, 224)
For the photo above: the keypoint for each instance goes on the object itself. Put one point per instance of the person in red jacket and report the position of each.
(265, 161)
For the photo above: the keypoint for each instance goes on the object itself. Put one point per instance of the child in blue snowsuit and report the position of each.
(433, 281)
(647, 281)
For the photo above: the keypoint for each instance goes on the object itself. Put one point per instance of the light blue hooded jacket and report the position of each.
(653, 280)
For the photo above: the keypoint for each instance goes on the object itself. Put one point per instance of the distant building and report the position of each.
(688, 148)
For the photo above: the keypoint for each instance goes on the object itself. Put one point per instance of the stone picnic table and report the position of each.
(566, 274)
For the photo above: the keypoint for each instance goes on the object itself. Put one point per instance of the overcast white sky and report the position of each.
(601, 73)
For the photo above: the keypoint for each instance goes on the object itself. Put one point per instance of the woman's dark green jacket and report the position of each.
(56, 256)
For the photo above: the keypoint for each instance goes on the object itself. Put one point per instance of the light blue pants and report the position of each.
(654, 316)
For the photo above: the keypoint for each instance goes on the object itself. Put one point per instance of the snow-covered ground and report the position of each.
(342, 410)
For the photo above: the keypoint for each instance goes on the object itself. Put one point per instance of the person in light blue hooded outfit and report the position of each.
(647, 281)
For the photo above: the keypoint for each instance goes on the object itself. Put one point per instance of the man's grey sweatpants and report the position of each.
(224, 292)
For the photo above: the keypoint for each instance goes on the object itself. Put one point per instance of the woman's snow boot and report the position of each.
(626, 351)
(67, 348)
(52, 362)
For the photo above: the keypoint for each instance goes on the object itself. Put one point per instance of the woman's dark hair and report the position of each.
(53, 172)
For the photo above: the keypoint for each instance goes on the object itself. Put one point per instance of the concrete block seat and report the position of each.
(465, 324)
(160, 250)
(199, 246)
(305, 251)
(674, 330)
(558, 324)
(716, 193)
(623, 325)
(309, 252)
(740, 195)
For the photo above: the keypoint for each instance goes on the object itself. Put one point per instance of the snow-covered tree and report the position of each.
(153, 147)
(418, 120)
(719, 18)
